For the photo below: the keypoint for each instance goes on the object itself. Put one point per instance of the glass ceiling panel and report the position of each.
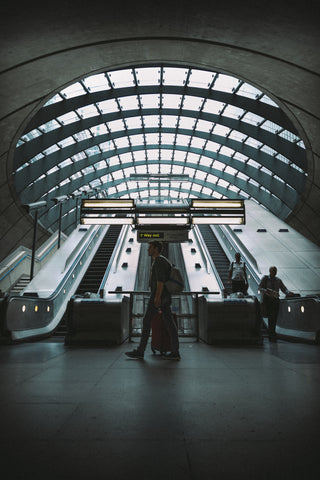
(73, 91)
(221, 130)
(234, 112)
(49, 126)
(174, 76)
(108, 106)
(148, 76)
(200, 78)
(129, 103)
(99, 130)
(171, 101)
(97, 83)
(204, 125)
(55, 99)
(266, 99)
(249, 91)
(192, 103)
(160, 151)
(212, 106)
(170, 121)
(116, 125)
(121, 78)
(87, 112)
(151, 121)
(225, 83)
(150, 101)
(67, 118)
(133, 122)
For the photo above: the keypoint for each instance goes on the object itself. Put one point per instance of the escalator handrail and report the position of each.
(61, 284)
(75, 252)
(237, 245)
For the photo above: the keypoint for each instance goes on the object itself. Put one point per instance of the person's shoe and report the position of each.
(135, 354)
(171, 356)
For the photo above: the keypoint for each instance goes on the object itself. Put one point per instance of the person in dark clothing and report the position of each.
(238, 275)
(269, 287)
(160, 300)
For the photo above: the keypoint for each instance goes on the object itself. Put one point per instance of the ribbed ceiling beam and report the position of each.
(32, 148)
(272, 113)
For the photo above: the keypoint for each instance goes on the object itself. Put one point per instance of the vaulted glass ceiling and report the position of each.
(158, 133)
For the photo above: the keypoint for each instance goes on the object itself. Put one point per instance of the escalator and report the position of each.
(93, 277)
(217, 253)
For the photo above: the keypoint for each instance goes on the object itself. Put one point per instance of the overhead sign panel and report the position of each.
(171, 236)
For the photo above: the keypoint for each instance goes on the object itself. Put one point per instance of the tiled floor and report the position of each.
(220, 413)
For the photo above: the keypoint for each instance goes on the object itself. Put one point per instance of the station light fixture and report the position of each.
(59, 199)
(218, 220)
(30, 207)
(179, 221)
(107, 203)
(106, 221)
(180, 214)
(207, 203)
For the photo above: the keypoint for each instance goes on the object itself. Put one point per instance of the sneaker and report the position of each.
(135, 354)
(171, 356)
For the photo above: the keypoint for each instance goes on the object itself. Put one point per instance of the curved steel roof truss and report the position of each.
(112, 136)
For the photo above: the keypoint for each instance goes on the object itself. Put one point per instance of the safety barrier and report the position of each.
(299, 319)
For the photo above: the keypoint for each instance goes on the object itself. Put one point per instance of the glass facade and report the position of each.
(208, 135)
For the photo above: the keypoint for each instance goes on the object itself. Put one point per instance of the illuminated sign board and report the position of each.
(173, 236)
(145, 236)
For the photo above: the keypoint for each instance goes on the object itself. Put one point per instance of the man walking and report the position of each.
(160, 300)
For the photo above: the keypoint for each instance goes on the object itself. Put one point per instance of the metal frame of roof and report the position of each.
(230, 144)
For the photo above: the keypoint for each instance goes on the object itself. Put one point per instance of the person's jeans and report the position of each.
(168, 319)
(271, 309)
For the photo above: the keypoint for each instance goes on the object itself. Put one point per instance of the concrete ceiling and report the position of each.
(268, 44)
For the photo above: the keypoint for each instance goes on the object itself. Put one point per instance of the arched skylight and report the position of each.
(159, 133)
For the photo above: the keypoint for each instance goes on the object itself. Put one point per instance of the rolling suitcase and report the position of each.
(160, 338)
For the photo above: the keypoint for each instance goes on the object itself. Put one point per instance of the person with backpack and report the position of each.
(238, 275)
(160, 300)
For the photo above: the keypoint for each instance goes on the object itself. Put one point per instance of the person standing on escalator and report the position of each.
(238, 275)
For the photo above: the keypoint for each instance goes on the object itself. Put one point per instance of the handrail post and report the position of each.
(34, 244)
(130, 316)
(197, 317)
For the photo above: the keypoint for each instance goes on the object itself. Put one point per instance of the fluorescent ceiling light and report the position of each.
(106, 221)
(103, 203)
(162, 221)
(216, 203)
(218, 220)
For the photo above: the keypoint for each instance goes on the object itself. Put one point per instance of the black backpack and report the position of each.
(175, 283)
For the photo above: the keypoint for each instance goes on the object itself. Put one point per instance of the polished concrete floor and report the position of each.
(222, 412)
